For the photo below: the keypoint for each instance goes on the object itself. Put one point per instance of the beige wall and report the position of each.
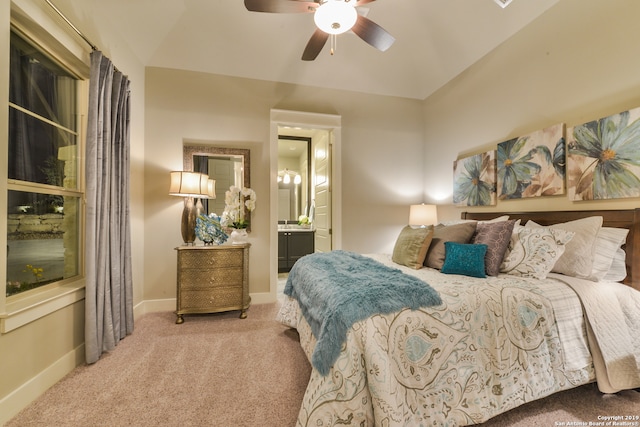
(378, 181)
(577, 62)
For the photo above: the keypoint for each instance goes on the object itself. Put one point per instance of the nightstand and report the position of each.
(212, 279)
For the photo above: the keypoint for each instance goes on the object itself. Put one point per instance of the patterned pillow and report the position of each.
(459, 233)
(496, 235)
(411, 246)
(577, 260)
(534, 251)
(463, 258)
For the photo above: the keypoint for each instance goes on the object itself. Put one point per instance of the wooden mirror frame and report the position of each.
(210, 150)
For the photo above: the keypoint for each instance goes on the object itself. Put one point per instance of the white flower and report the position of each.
(233, 215)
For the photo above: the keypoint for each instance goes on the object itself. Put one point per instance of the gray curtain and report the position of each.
(109, 294)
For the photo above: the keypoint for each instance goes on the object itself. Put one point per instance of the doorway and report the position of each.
(325, 178)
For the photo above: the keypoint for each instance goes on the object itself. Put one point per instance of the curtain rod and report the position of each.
(93, 47)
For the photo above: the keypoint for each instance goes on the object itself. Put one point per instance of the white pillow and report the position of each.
(577, 260)
(534, 251)
(608, 244)
(618, 270)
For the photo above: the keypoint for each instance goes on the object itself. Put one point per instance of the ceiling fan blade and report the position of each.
(315, 45)
(361, 2)
(373, 33)
(280, 6)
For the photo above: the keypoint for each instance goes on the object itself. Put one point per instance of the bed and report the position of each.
(484, 345)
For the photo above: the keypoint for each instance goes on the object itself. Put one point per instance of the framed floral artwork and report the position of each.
(474, 180)
(532, 165)
(604, 158)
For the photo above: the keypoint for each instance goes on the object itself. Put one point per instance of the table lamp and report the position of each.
(189, 185)
(423, 215)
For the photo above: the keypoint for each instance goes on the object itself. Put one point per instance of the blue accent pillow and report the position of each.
(464, 258)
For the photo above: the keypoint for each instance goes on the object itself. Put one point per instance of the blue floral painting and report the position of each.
(474, 180)
(532, 165)
(604, 158)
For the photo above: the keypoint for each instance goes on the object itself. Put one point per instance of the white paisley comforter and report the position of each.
(492, 345)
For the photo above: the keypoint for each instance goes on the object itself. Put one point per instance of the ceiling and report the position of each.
(435, 40)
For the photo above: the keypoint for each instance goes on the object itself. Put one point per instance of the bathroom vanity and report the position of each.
(293, 243)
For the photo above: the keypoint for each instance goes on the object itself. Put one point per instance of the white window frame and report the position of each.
(56, 41)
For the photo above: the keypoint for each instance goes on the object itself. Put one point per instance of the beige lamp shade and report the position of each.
(211, 189)
(204, 186)
(423, 215)
(188, 184)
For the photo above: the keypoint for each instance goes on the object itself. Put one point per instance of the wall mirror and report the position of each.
(227, 166)
(294, 183)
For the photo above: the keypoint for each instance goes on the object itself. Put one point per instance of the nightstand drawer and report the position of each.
(207, 301)
(195, 259)
(199, 279)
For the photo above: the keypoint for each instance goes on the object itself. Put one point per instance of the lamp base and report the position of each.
(188, 224)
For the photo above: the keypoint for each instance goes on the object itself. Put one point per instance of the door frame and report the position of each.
(301, 119)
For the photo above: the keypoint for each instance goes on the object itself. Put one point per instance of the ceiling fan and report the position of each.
(332, 17)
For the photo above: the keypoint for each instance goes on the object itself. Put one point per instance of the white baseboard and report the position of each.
(29, 391)
(154, 305)
(263, 298)
(169, 304)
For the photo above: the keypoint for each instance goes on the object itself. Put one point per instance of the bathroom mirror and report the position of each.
(227, 166)
(294, 183)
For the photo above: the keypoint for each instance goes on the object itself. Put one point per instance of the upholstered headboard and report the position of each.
(627, 218)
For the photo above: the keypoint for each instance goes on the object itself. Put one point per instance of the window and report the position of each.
(44, 209)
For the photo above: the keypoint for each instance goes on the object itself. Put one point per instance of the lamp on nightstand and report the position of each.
(210, 193)
(189, 185)
(211, 189)
(423, 215)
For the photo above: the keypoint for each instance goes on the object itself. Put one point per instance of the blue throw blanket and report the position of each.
(338, 288)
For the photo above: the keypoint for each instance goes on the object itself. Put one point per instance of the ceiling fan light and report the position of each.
(335, 17)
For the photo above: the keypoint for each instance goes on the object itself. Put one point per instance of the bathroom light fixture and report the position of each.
(189, 185)
(423, 215)
(285, 175)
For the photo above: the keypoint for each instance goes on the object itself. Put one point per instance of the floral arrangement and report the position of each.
(236, 200)
(209, 229)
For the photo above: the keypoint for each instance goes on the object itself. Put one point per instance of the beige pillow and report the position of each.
(411, 246)
(459, 233)
(577, 259)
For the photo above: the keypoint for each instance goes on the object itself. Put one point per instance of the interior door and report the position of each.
(321, 201)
